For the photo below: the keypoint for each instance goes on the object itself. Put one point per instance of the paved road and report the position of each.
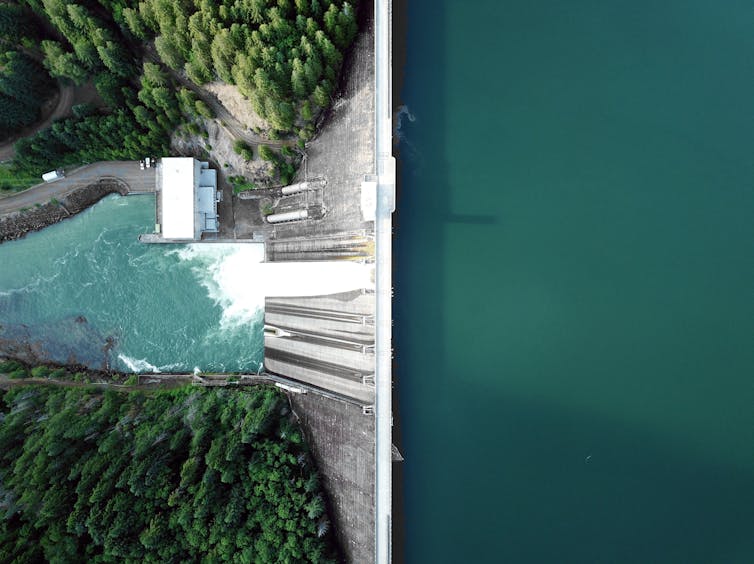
(127, 171)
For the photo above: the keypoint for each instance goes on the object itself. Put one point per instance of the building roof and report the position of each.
(178, 197)
(207, 208)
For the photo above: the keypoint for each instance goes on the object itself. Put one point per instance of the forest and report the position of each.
(285, 56)
(183, 475)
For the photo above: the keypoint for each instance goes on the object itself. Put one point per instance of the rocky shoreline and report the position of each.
(17, 224)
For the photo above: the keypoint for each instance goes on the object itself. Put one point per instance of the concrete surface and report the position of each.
(342, 442)
(342, 153)
(385, 169)
(331, 339)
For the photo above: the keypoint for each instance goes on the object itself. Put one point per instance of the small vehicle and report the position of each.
(149, 164)
(141, 164)
(53, 175)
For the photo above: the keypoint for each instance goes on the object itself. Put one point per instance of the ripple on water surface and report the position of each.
(69, 290)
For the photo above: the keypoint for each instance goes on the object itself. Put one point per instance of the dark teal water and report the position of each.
(575, 282)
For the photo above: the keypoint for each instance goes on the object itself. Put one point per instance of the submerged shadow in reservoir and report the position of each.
(472, 219)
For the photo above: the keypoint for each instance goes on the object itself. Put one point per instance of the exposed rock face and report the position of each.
(67, 341)
(16, 225)
(229, 96)
(218, 148)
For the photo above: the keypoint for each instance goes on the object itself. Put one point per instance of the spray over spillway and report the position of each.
(238, 281)
(87, 289)
(291, 279)
(227, 272)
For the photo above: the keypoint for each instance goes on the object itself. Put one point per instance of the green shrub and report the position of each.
(8, 366)
(58, 373)
(306, 110)
(241, 184)
(83, 110)
(19, 374)
(203, 109)
(242, 148)
(267, 154)
(40, 372)
(287, 172)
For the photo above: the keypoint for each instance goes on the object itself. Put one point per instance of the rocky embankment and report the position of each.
(18, 224)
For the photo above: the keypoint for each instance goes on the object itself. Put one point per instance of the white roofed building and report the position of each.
(187, 199)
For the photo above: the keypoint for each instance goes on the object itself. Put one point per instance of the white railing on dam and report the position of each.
(385, 170)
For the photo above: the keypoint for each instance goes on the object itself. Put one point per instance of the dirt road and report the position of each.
(68, 97)
(63, 105)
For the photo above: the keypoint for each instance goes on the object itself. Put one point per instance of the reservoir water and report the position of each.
(574, 274)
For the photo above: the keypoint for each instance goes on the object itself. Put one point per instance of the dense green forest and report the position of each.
(283, 55)
(187, 475)
(24, 83)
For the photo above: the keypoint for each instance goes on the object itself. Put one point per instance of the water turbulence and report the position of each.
(292, 279)
(86, 291)
(237, 280)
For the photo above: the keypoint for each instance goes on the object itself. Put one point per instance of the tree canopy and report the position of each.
(280, 53)
(188, 475)
(283, 55)
(24, 85)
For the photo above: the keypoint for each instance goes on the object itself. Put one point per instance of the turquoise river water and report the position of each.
(575, 282)
(68, 289)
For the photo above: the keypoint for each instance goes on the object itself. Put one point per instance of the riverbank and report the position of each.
(17, 224)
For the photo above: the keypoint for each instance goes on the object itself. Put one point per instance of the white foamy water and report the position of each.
(228, 273)
(161, 308)
(291, 279)
(143, 365)
(236, 278)
(138, 364)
